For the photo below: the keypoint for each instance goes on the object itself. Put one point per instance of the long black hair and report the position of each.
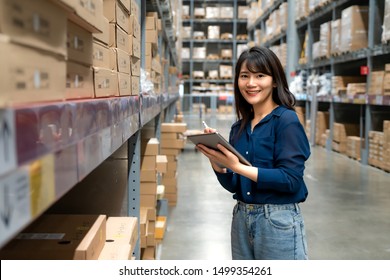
(261, 60)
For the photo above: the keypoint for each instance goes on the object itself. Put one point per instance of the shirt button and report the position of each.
(248, 193)
(246, 152)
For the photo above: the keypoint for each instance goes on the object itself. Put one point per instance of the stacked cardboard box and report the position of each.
(340, 133)
(322, 125)
(386, 80)
(172, 142)
(121, 238)
(340, 84)
(354, 144)
(32, 55)
(153, 62)
(376, 145)
(59, 237)
(147, 233)
(386, 145)
(354, 28)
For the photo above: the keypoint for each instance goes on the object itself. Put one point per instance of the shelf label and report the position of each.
(364, 70)
(15, 210)
(7, 141)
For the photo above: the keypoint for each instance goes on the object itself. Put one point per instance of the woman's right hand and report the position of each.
(209, 130)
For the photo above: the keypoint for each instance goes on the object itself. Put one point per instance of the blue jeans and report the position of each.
(268, 232)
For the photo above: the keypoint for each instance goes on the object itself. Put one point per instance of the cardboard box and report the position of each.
(122, 230)
(135, 89)
(115, 251)
(354, 33)
(173, 127)
(118, 38)
(135, 66)
(105, 82)
(119, 60)
(79, 42)
(39, 24)
(124, 84)
(148, 188)
(148, 162)
(100, 55)
(28, 75)
(150, 146)
(161, 163)
(148, 176)
(136, 50)
(86, 14)
(148, 200)
(79, 81)
(103, 36)
(116, 13)
(59, 237)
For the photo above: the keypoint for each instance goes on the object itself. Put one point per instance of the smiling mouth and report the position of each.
(253, 92)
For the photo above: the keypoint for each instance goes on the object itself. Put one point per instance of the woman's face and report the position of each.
(256, 88)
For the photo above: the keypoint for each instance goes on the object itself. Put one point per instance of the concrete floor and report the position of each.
(347, 213)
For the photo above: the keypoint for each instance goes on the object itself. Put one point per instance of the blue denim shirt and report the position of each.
(278, 147)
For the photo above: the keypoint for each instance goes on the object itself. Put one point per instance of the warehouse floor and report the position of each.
(347, 213)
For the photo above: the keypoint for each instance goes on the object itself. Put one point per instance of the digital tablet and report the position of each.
(212, 139)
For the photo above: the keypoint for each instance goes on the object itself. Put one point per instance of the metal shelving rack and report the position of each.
(191, 65)
(367, 110)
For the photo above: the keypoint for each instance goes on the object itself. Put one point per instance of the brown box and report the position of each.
(124, 84)
(135, 66)
(162, 163)
(79, 81)
(150, 146)
(104, 36)
(28, 75)
(100, 55)
(148, 188)
(59, 237)
(115, 251)
(148, 162)
(136, 48)
(335, 35)
(173, 127)
(39, 24)
(151, 23)
(354, 24)
(87, 15)
(148, 176)
(151, 36)
(135, 89)
(148, 200)
(116, 13)
(105, 82)
(118, 38)
(79, 42)
(119, 60)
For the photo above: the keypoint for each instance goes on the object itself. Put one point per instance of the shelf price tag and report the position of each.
(364, 70)
(15, 204)
(7, 141)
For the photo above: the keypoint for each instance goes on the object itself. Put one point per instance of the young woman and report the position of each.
(267, 222)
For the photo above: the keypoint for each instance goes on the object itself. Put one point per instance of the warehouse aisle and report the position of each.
(347, 213)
